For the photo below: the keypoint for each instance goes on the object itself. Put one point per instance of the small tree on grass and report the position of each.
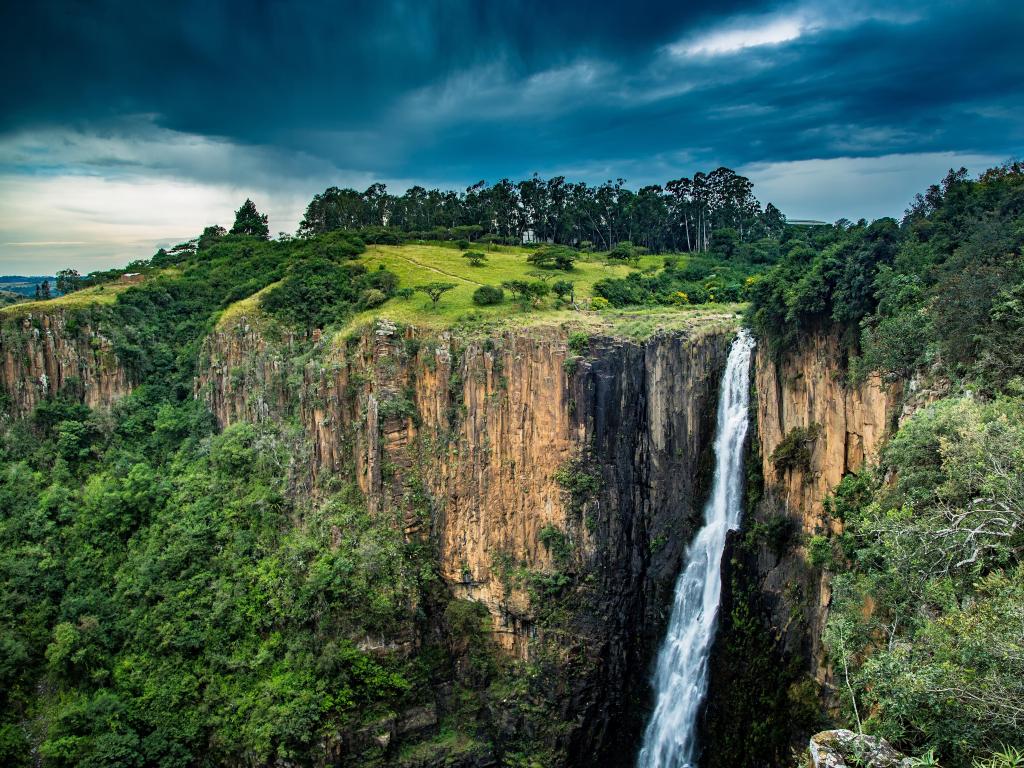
(537, 291)
(462, 244)
(563, 288)
(475, 258)
(435, 291)
(553, 257)
(68, 281)
(517, 288)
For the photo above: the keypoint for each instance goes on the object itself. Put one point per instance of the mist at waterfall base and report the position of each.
(681, 676)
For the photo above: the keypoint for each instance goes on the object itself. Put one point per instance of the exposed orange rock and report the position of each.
(41, 355)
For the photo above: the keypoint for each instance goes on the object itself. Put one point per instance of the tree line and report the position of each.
(686, 214)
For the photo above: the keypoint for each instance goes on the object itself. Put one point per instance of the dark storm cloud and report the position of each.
(451, 92)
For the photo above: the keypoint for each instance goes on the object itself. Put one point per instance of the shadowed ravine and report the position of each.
(681, 678)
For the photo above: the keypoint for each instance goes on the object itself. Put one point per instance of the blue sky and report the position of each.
(125, 126)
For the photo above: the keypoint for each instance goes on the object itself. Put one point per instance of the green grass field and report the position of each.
(418, 265)
(101, 294)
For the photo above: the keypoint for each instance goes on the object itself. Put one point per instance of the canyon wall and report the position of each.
(770, 679)
(805, 393)
(539, 464)
(58, 351)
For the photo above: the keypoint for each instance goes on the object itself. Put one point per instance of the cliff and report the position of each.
(771, 682)
(58, 351)
(835, 427)
(559, 485)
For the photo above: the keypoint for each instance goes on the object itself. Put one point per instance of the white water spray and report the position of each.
(681, 679)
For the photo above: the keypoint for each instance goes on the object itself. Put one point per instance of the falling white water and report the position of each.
(681, 679)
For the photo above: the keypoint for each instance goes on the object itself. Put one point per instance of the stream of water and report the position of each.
(681, 677)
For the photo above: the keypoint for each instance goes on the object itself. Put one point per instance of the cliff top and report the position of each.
(419, 265)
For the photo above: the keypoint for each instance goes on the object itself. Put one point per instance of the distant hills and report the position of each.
(22, 285)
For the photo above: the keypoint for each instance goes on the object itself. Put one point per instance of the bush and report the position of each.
(579, 342)
(794, 452)
(475, 258)
(371, 298)
(462, 245)
(487, 295)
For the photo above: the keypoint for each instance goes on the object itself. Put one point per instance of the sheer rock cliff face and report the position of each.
(42, 354)
(532, 459)
(807, 389)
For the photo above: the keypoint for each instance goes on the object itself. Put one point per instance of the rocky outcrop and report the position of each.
(58, 351)
(527, 463)
(841, 748)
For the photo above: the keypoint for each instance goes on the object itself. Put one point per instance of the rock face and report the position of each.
(841, 748)
(812, 427)
(808, 387)
(44, 353)
(807, 390)
(531, 459)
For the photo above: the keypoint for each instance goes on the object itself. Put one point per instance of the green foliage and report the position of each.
(318, 291)
(475, 258)
(794, 451)
(161, 606)
(69, 281)
(580, 482)
(926, 609)
(249, 221)
(553, 257)
(556, 542)
(579, 342)
(941, 290)
(487, 295)
(624, 251)
(435, 291)
(819, 551)
(699, 279)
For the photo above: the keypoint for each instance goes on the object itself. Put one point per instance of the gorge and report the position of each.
(297, 502)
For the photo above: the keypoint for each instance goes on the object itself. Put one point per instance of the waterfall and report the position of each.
(681, 678)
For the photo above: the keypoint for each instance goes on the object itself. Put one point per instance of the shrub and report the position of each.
(487, 295)
(599, 303)
(371, 298)
(624, 251)
(579, 342)
(462, 245)
(475, 258)
(794, 452)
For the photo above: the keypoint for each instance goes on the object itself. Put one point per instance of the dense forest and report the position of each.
(687, 214)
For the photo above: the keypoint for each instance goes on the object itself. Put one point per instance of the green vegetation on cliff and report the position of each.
(926, 623)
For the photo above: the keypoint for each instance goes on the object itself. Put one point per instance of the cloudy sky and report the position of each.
(129, 125)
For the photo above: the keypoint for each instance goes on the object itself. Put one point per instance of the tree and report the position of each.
(462, 244)
(43, 290)
(68, 281)
(561, 288)
(553, 257)
(435, 291)
(518, 288)
(475, 258)
(249, 221)
(210, 236)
